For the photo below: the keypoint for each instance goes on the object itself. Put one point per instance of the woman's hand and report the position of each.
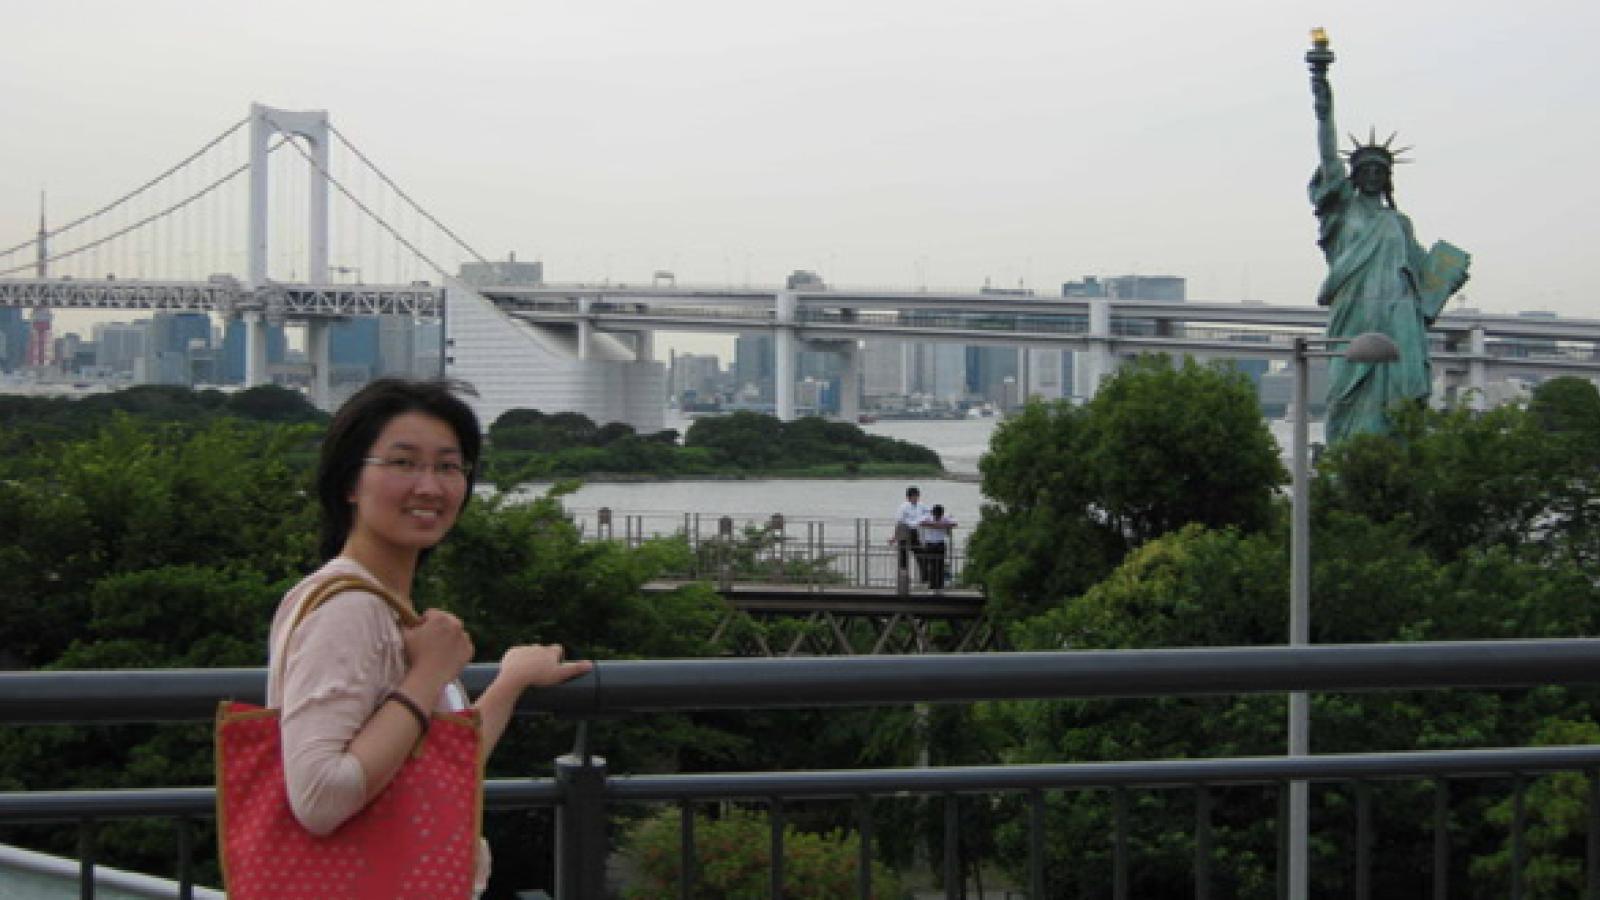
(437, 646)
(540, 665)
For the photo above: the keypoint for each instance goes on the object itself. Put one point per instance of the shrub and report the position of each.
(734, 860)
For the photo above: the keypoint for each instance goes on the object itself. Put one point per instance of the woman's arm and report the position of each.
(342, 740)
(527, 666)
(437, 648)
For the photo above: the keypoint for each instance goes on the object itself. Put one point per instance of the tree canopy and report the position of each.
(1073, 489)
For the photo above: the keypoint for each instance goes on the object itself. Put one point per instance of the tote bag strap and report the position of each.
(327, 590)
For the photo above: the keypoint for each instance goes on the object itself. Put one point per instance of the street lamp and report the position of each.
(1371, 347)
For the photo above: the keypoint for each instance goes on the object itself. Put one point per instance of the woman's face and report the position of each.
(411, 487)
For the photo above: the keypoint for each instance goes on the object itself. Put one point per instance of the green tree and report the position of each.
(1074, 489)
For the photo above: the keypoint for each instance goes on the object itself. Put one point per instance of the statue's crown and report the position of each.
(1372, 151)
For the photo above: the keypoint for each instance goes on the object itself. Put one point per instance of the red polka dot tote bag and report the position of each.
(418, 839)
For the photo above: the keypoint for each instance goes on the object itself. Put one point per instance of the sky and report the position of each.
(882, 143)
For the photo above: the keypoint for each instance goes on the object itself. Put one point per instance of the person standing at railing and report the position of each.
(356, 688)
(907, 521)
(935, 532)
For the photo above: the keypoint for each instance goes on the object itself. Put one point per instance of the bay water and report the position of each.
(661, 506)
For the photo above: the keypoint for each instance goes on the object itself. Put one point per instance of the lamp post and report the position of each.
(1371, 347)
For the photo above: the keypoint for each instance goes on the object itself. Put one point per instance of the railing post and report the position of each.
(581, 826)
(725, 553)
(1592, 864)
(1441, 839)
(1202, 842)
(86, 859)
(864, 826)
(1036, 843)
(1119, 853)
(1519, 822)
(1363, 840)
(185, 859)
(686, 872)
(776, 887)
(952, 848)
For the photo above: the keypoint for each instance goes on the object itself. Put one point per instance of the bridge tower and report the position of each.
(38, 351)
(312, 125)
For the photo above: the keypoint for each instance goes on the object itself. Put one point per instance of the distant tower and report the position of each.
(39, 342)
(42, 253)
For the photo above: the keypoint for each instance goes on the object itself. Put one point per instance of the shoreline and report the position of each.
(642, 478)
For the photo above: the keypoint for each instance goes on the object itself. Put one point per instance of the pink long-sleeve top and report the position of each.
(327, 679)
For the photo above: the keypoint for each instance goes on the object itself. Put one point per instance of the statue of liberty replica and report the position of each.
(1379, 278)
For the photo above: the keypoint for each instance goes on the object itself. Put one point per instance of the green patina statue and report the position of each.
(1379, 277)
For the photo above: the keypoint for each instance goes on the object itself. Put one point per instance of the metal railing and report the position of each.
(775, 549)
(583, 788)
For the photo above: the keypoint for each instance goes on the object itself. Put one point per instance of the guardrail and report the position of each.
(583, 787)
(818, 553)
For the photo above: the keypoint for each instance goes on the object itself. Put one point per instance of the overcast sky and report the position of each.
(887, 143)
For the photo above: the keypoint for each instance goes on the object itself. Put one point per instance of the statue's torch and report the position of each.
(1319, 57)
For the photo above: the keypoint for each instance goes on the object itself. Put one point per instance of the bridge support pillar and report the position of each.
(1097, 358)
(644, 346)
(1478, 370)
(255, 349)
(783, 357)
(850, 382)
(585, 327)
(317, 355)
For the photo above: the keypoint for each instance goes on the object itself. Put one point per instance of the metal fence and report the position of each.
(774, 549)
(583, 788)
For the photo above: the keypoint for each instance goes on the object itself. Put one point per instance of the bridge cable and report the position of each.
(363, 207)
(131, 194)
(390, 182)
(144, 221)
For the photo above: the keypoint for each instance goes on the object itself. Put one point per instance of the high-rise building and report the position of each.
(13, 339)
(1169, 288)
(695, 378)
(988, 369)
(230, 361)
(168, 340)
(118, 345)
(752, 365)
(884, 365)
(428, 348)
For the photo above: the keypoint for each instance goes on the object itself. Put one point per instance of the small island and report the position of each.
(529, 445)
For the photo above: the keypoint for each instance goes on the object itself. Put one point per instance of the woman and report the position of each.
(395, 472)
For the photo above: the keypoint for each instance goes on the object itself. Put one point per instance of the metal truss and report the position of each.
(771, 620)
(227, 297)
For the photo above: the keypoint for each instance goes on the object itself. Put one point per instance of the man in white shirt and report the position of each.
(907, 523)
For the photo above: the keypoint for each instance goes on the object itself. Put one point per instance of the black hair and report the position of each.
(357, 425)
(913, 490)
(938, 511)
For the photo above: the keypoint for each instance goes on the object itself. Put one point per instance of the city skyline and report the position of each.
(891, 145)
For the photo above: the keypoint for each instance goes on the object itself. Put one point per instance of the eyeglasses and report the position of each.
(411, 468)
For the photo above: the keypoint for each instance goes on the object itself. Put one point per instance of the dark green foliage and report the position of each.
(527, 445)
(733, 859)
(1074, 489)
(755, 442)
(1467, 527)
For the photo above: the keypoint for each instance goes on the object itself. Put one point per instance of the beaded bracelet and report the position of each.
(411, 705)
